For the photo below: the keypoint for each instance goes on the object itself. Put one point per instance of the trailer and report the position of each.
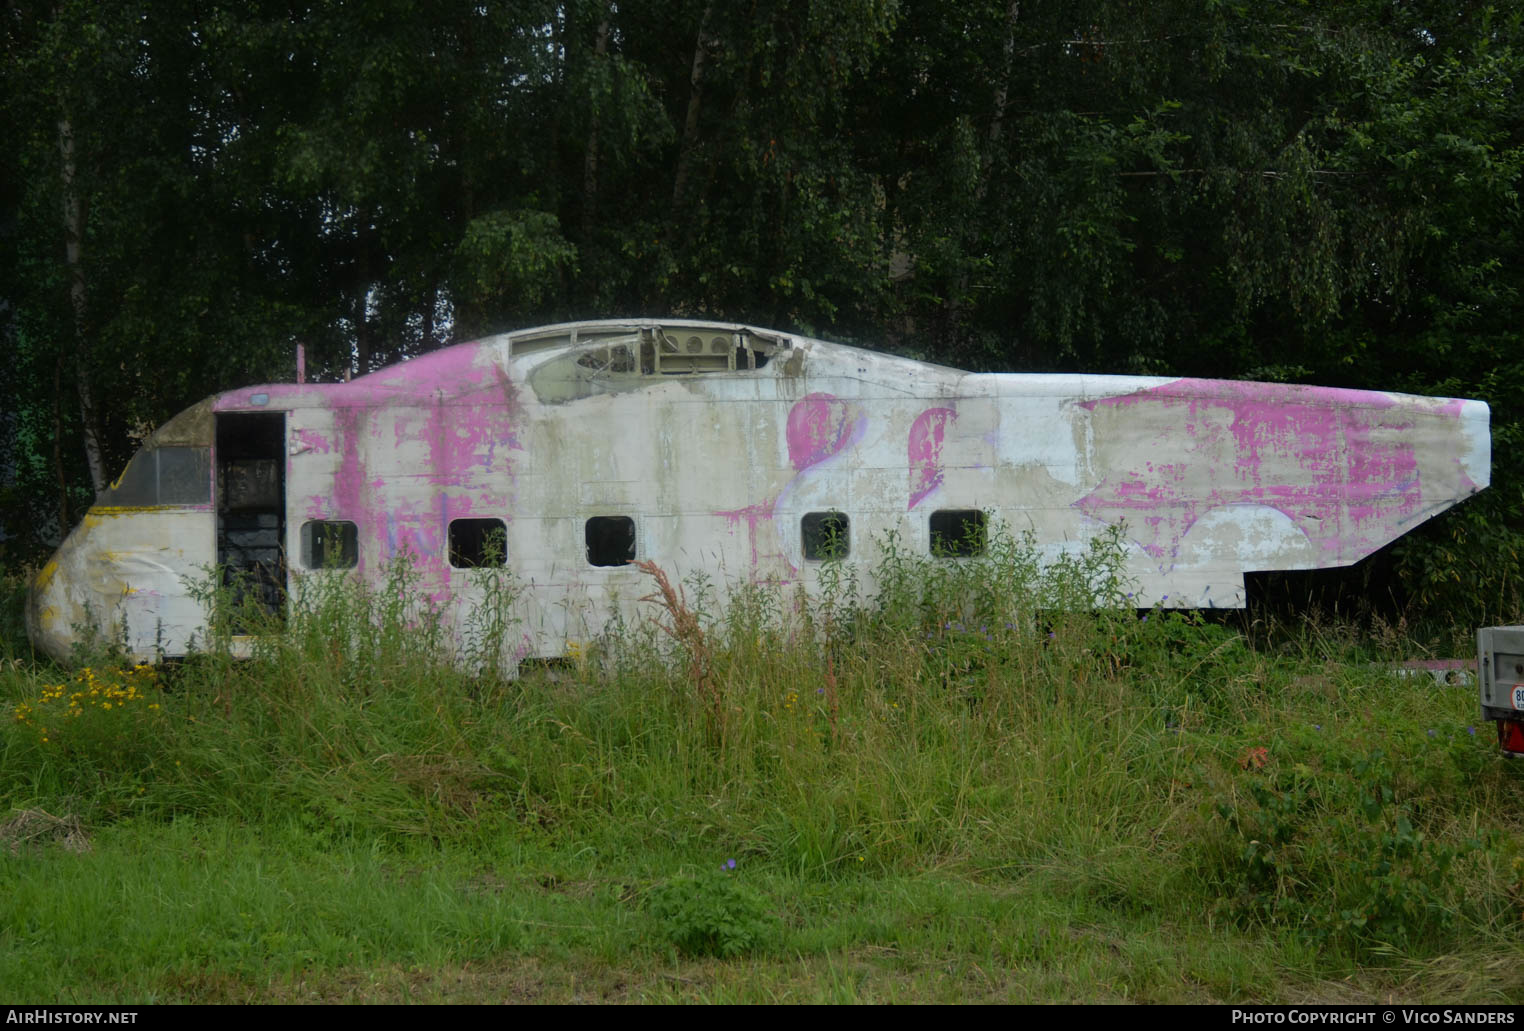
(1500, 681)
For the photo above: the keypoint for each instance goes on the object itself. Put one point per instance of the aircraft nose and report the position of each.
(47, 612)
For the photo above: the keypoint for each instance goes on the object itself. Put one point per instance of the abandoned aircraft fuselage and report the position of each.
(738, 452)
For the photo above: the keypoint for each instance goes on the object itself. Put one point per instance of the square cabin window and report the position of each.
(330, 544)
(610, 540)
(475, 543)
(958, 533)
(825, 536)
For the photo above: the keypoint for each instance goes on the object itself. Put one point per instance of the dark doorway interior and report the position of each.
(251, 505)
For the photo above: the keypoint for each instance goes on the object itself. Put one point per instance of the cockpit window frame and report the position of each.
(143, 482)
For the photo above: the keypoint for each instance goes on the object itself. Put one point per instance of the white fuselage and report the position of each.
(719, 466)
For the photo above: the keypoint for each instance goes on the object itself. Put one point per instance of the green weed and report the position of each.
(710, 913)
(989, 769)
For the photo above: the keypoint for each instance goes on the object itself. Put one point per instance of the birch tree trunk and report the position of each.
(952, 315)
(695, 102)
(590, 162)
(74, 234)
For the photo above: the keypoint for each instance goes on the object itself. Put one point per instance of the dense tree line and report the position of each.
(1274, 190)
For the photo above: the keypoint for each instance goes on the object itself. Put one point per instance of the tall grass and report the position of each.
(996, 720)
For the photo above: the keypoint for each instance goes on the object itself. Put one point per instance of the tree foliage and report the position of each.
(1274, 190)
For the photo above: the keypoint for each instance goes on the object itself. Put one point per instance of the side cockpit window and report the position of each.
(185, 475)
(163, 476)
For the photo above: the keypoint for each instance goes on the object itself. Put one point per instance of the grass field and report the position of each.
(990, 781)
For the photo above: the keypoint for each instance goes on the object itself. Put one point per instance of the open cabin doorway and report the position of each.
(251, 508)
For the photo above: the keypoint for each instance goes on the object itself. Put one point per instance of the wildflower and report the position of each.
(1471, 731)
(1254, 758)
(1431, 732)
(730, 864)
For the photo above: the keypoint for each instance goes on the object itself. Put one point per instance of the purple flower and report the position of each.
(820, 690)
(1471, 731)
(730, 864)
(1431, 733)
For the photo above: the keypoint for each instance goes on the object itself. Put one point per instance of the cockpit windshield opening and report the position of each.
(680, 352)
